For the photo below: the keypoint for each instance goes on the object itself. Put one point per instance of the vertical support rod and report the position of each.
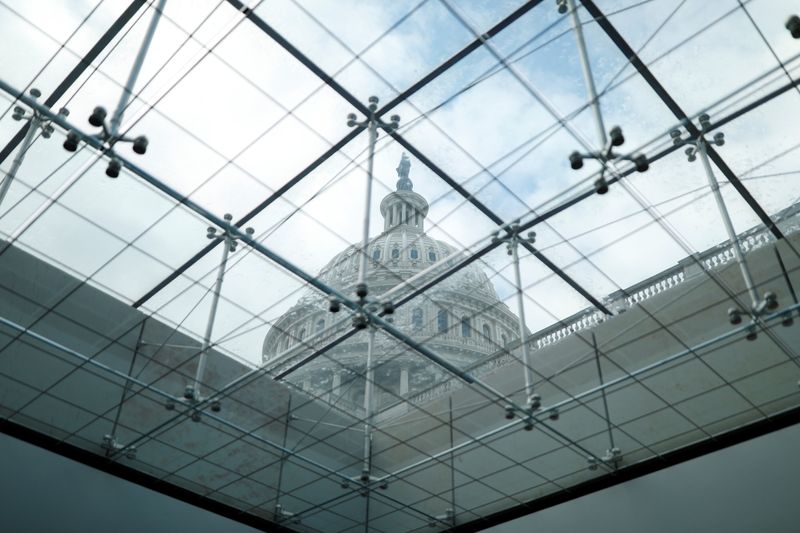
(373, 137)
(513, 243)
(587, 72)
(452, 459)
(284, 456)
(33, 127)
(127, 387)
(127, 91)
(603, 391)
(212, 314)
(726, 220)
(368, 496)
(367, 469)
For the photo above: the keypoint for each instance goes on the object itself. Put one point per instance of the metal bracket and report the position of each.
(37, 121)
(284, 516)
(612, 457)
(111, 445)
(448, 519)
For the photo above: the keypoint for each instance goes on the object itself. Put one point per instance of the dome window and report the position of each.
(395, 253)
(414, 254)
(441, 321)
(503, 339)
(416, 319)
(376, 254)
(320, 324)
(301, 334)
(487, 332)
(466, 327)
(432, 256)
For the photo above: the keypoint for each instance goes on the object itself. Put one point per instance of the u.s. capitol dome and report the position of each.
(460, 318)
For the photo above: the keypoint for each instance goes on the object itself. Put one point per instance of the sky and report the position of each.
(231, 117)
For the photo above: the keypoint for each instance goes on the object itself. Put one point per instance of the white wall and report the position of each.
(751, 487)
(41, 492)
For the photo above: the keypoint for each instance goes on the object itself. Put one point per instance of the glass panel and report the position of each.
(324, 383)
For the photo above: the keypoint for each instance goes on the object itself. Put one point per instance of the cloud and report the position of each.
(214, 106)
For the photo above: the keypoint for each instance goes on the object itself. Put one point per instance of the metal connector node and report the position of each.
(140, 144)
(448, 518)
(282, 515)
(601, 186)
(71, 142)
(734, 316)
(110, 444)
(114, 167)
(793, 25)
(360, 321)
(641, 163)
(613, 456)
(189, 393)
(373, 103)
(575, 160)
(98, 116)
(361, 290)
(616, 137)
(771, 300)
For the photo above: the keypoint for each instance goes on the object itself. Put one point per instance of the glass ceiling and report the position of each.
(485, 367)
